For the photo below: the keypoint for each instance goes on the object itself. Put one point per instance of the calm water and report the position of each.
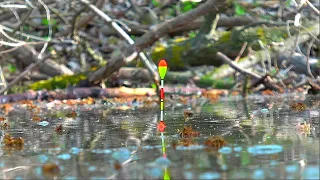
(263, 141)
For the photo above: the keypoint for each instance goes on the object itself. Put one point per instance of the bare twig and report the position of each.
(268, 56)
(16, 47)
(23, 20)
(24, 73)
(241, 51)
(3, 81)
(308, 57)
(313, 8)
(236, 67)
(49, 25)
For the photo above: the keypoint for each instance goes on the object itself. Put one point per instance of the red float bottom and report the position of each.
(161, 126)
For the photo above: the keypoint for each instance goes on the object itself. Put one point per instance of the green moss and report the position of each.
(208, 81)
(173, 53)
(224, 37)
(58, 82)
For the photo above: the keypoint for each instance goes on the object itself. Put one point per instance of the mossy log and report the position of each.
(58, 82)
(182, 52)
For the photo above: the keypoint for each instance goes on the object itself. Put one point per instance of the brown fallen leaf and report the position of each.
(298, 106)
(51, 169)
(13, 143)
(59, 129)
(73, 114)
(188, 132)
(215, 142)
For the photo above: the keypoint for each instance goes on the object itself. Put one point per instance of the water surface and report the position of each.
(104, 141)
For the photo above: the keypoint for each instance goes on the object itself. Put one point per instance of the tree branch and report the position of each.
(153, 35)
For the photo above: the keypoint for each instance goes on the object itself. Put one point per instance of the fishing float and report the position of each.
(162, 68)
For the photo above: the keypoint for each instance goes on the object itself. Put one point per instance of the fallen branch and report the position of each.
(255, 77)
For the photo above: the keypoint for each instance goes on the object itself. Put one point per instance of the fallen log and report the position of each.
(182, 52)
(96, 92)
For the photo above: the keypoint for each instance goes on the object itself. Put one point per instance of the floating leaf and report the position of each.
(50, 169)
(13, 143)
(215, 142)
(298, 106)
(188, 132)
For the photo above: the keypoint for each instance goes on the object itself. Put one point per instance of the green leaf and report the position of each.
(155, 3)
(192, 34)
(187, 6)
(239, 10)
(133, 37)
(12, 68)
(46, 22)
(153, 86)
(47, 38)
(288, 3)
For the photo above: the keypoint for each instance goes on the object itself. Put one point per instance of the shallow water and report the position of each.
(263, 141)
